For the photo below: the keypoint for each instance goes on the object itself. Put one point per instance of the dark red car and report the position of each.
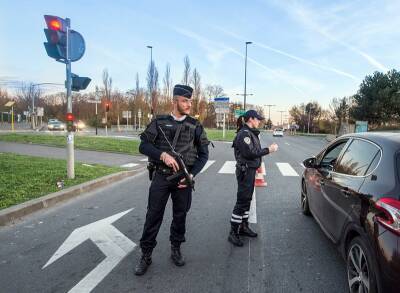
(352, 188)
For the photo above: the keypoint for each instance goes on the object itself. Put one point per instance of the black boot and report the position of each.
(176, 256)
(246, 231)
(234, 237)
(143, 265)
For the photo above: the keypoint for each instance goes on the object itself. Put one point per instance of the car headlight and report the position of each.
(51, 126)
(81, 125)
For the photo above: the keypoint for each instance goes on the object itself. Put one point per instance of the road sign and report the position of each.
(94, 101)
(126, 114)
(221, 99)
(239, 112)
(39, 111)
(361, 126)
(77, 45)
(9, 104)
(222, 110)
(112, 243)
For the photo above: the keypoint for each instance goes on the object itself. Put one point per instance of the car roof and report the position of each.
(380, 138)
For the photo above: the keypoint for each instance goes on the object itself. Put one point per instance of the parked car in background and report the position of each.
(352, 188)
(278, 132)
(79, 125)
(55, 124)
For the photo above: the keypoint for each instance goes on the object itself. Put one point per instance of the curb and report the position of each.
(16, 212)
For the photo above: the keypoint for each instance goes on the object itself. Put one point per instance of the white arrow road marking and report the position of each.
(208, 164)
(108, 239)
(253, 209)
(229, 167)
(129, 165)
(286, 169)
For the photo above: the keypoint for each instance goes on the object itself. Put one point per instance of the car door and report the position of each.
(319, 175)
(341, 190)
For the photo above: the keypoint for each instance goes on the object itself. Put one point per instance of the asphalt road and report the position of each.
(291, 253)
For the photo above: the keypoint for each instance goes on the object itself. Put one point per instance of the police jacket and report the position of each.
(248, 148)
(187, 137)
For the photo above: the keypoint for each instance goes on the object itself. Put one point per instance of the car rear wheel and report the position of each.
(360, 267)
(304, 199)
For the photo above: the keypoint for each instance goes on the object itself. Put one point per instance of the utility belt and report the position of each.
(159, 168)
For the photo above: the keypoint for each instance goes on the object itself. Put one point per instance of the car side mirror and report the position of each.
(310, 162)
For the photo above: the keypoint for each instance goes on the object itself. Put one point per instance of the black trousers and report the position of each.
(160, 190)
(245, 191)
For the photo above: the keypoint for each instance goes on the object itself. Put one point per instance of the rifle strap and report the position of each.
(177, 132)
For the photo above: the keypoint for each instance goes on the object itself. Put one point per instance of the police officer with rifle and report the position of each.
(177, 147)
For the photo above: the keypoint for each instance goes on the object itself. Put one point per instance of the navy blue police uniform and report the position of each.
(248, 154)
(188, 138)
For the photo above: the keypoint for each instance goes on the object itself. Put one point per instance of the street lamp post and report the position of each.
(281, 117)
(269, 110)
(245, 77)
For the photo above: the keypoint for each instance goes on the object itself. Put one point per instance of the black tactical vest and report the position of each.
(185, 141)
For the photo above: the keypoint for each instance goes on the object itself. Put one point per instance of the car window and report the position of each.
(329, 159)
(374, 163)
(357, 158)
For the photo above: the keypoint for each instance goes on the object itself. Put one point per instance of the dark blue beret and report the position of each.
(183, 90)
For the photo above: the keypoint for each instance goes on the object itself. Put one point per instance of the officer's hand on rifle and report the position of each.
(169, 161)
(182, 183)
(273, 148)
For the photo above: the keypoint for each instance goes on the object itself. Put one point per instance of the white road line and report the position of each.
(144, 160)
(286, 169)
(228, 168)
(287, 143)
(253, 209)
(129, 165)
(208, 164)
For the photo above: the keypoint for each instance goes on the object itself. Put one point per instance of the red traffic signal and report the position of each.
(70, 117)
(55, 23)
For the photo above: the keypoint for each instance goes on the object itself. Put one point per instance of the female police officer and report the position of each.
(248, 154)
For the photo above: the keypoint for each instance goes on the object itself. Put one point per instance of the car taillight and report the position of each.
(390, 208)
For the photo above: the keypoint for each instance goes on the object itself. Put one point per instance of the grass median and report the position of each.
(216, 134)
(25, 177)
(107, 144)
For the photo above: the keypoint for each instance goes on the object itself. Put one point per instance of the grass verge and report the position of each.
(216, 134)
(107, 144)
(25, 177)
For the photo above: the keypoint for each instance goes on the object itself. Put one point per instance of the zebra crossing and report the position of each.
(229, 167)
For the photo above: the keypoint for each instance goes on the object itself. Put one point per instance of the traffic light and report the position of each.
(79, 83)
(107, 106)
(70, 122)
(56, 35)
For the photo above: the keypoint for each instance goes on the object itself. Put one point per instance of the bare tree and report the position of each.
(196, 91)
(152, 86)
(186, 70)
(29, 98)
(167, 80)
(107, 83)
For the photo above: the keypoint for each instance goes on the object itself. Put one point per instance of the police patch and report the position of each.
(247, 140)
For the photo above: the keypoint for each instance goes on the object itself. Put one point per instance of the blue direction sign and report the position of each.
(221, 99)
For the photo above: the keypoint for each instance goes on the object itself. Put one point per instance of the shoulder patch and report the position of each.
(247, 140)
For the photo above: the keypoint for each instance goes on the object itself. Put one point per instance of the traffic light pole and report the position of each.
(68, 85)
